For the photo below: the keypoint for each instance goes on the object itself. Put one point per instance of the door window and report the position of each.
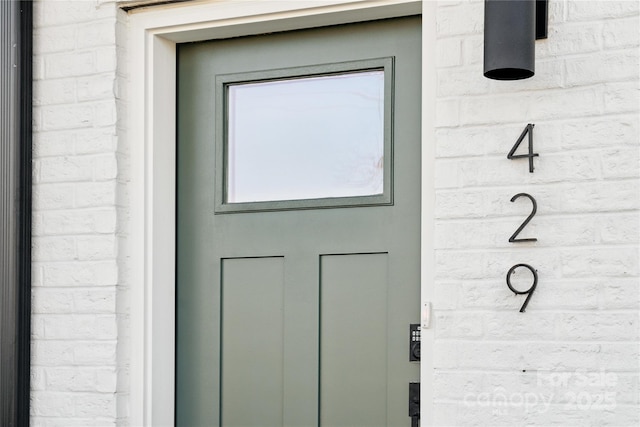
(306, 137)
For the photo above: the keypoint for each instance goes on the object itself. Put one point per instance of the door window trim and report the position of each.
(221, 101)
(149, 250)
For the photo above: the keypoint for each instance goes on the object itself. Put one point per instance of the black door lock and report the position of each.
(414, 404)
(414, 342)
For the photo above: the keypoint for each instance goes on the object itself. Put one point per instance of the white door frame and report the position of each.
(150, 249)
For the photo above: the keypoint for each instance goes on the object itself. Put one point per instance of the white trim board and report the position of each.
(152, 37)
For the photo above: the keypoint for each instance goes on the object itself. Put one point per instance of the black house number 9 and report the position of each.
(528, 130)
(529, 291)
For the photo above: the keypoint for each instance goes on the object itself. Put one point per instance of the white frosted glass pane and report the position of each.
(306, 138)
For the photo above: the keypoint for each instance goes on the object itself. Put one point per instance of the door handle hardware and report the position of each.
(414, 342)
(414, 404)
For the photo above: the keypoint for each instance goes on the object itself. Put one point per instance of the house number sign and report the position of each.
(528, 131)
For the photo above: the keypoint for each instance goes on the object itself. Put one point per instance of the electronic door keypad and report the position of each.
(414, 342)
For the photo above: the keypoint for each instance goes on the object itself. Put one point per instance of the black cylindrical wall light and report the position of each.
(509, 39)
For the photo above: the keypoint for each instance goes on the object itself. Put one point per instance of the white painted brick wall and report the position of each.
(494, 365)
(75, 364)
(574, 348)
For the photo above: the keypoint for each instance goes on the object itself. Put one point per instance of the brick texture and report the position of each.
(75, 363)
(572, 357)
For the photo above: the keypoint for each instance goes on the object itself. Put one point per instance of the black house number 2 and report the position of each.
(528, 130)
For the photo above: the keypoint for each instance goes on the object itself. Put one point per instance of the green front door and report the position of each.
(298, 226)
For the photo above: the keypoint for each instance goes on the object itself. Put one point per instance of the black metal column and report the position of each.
(16, 23)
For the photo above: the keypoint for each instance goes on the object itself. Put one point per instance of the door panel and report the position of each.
(296, 317)
(252, 357)
(353, 339)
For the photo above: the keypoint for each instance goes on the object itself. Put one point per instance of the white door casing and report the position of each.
(152, 38)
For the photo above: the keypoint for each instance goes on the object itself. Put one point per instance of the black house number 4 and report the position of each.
(528, 130)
